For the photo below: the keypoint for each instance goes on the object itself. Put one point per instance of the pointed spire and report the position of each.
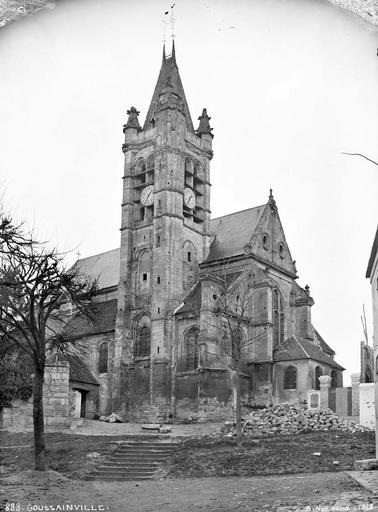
(169, 77)
(132, 121)
(272, 202)
(204, 125)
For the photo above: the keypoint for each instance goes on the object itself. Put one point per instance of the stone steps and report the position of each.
(134, 460)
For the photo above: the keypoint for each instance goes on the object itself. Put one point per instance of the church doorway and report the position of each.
(80, 403)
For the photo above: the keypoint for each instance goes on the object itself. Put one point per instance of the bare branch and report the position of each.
(359, 154)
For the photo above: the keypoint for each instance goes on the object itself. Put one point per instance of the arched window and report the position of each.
(143, 198)
(193, 200)
(190, 357)
(188, 173)
(278, 319)
(333, 379)
(225, 345)
(290, 378)
(150, 168)
(143, 342)
(318, 373)
(140, 167)
(233, 345)
(103, 358)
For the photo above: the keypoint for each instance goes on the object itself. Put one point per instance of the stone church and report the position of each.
(156, 349)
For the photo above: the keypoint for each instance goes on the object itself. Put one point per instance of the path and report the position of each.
(304, 492)
(100, 428)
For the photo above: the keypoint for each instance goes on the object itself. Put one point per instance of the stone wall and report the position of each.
(18, 416)
(56, 394)
(55, 402)
(303, 385)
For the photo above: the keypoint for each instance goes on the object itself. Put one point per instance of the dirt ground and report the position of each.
(75, 456)
(308, 452)
(295, 478)
(319, 492)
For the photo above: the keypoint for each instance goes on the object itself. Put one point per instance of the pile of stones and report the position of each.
(112, 418)
(288, 419)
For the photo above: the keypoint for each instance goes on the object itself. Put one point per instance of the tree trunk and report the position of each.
(239, 433)
(39, 435)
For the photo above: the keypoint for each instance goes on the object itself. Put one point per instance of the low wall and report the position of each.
(55, 402)
(343, 401)
(18, 416)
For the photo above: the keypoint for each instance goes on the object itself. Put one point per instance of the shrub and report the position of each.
(15, 378)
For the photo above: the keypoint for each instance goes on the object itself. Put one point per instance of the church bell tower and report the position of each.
(165, 234)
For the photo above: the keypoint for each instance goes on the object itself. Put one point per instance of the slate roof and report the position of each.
(78, 370)
(299, 348)
(80, 373)
(192, 302)
(104, 321)
(104, 267)
(232, 232)
(324, 346)
(169, 75)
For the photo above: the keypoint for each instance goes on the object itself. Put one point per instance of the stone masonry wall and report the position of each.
(18, 416)
(56, 394)
(55, 402)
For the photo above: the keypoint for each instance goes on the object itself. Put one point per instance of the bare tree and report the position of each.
(231, 320)
(35, 287)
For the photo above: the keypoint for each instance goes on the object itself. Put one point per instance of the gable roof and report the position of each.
(104, 267)
(299, 348)
(168, 76)
(232, 232)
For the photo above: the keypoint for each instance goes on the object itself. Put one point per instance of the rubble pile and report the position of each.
(288, 419)
(112, 418)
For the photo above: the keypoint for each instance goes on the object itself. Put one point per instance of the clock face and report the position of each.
(147, 196)
(189, 198)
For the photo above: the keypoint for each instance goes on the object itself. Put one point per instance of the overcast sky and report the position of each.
(289, 85)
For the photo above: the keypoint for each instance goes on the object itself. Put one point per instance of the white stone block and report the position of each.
(367, 404)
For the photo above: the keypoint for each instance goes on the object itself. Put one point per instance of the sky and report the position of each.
(289, 84)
